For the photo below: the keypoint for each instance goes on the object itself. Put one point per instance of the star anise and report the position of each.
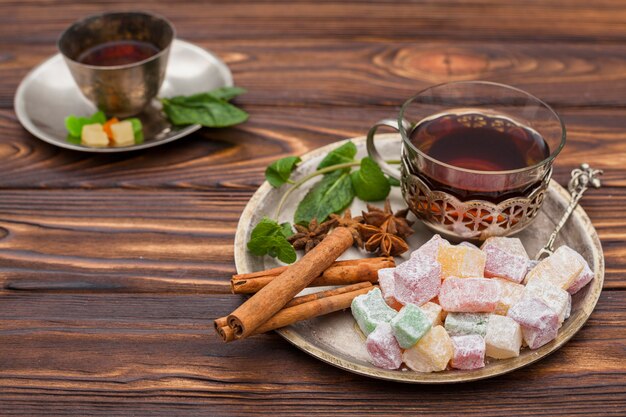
(377, 217)
(309, 237)
(351, 223)
(383, 240)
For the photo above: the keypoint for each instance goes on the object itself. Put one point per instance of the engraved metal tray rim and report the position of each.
(498, 367)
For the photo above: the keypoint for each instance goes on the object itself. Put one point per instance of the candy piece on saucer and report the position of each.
(94, 135)
(417, 281)
(510, 245)
(383, 347)
(561, 268)
(409, 325)
(554, 297)
(504, 259)
(430, 249)
(466, 323)
(469, 295)
(510, 293)
(461, 261)
(469, 245)
(432, 353)
(582, 279)
(503, 338)
(539, 322)
(387, 283)
(434, 313)
(469, 352)
(369, 310)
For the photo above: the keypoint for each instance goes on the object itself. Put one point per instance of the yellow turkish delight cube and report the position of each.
(461, 261)
(510, 293)
(561, 268)
(431, 353)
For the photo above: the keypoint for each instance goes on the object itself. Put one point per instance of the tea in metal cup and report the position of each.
(119, 90)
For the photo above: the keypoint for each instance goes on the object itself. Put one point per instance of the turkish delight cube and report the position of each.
(469, 245)
(539, 322)
(434, 313)
(554, 297)
(409, 325)
(383, 347)
(369, 310)
(510, 293)
(561, 268)
(510, 245)
(502, 264)
(466, 323)
(582, 279)
(469, 295)
(461, 261)
(429, 250)
(417, 281)
(469, 352)
(432, 353)
(387, 283)
(503, 338)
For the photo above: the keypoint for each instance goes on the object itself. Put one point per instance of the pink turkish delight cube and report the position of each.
(469, 352)
(387, 284)
(585, 276)
(430, 249)
(540, 324)
(417, 281)
(383, 347)
(503, 264)
(469, 295)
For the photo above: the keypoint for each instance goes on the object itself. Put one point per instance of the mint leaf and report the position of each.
(209, 112)
(369, 182)
(74, 124)
(278, 172)
(330, 195)
(98, 117)
(393, 182)
(270, 238)
(341, 155)
(223, 93)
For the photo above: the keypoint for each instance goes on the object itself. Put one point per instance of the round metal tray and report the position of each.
(334, 339)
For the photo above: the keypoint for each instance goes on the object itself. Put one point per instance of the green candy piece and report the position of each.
(369, 310)
(458, 324)
(409, 325)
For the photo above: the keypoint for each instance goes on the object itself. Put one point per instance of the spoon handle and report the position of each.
(582, 179)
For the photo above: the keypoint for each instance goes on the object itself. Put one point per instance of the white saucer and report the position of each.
(48, 94)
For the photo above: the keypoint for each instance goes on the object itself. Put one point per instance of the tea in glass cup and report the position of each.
(476, 157)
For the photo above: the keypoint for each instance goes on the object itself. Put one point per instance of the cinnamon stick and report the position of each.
(270, 299)
(303, 308)
(338, 273)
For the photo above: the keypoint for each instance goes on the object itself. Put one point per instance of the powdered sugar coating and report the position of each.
(432, 353)
(417, 281)
(461, 261)
(434, 313)
(430, 249)
(469, 352)
(370, 310)
(510, 293)
(554, 297)
(561, 268)
(469, 295)
(585, 276)
(387, 283)
(502, 264)
(409, 325)
(383, 347)
(469, 245)
(458, 324)
(539, 322)
(512, 245)
(504, 337)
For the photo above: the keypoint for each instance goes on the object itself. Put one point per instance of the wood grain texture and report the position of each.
(113, 266)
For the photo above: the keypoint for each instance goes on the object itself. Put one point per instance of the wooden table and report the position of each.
(112, 267)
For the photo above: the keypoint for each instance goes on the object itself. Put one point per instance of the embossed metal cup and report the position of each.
(121, 90)
(464, 203)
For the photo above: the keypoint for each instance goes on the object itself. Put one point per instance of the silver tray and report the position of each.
(334, 338)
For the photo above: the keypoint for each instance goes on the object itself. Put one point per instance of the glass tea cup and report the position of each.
(118, 90)
(476, 157)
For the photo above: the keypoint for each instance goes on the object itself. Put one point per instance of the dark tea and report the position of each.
(117, 53)
(479, 142)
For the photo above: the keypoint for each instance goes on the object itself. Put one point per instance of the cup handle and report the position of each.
(373, 152)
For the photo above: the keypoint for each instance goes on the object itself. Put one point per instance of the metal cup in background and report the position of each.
(121, 90)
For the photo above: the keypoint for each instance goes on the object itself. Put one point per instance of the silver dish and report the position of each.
(48, 94)
(334, 338)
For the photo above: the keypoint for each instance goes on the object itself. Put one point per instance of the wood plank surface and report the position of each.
(113, 266)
